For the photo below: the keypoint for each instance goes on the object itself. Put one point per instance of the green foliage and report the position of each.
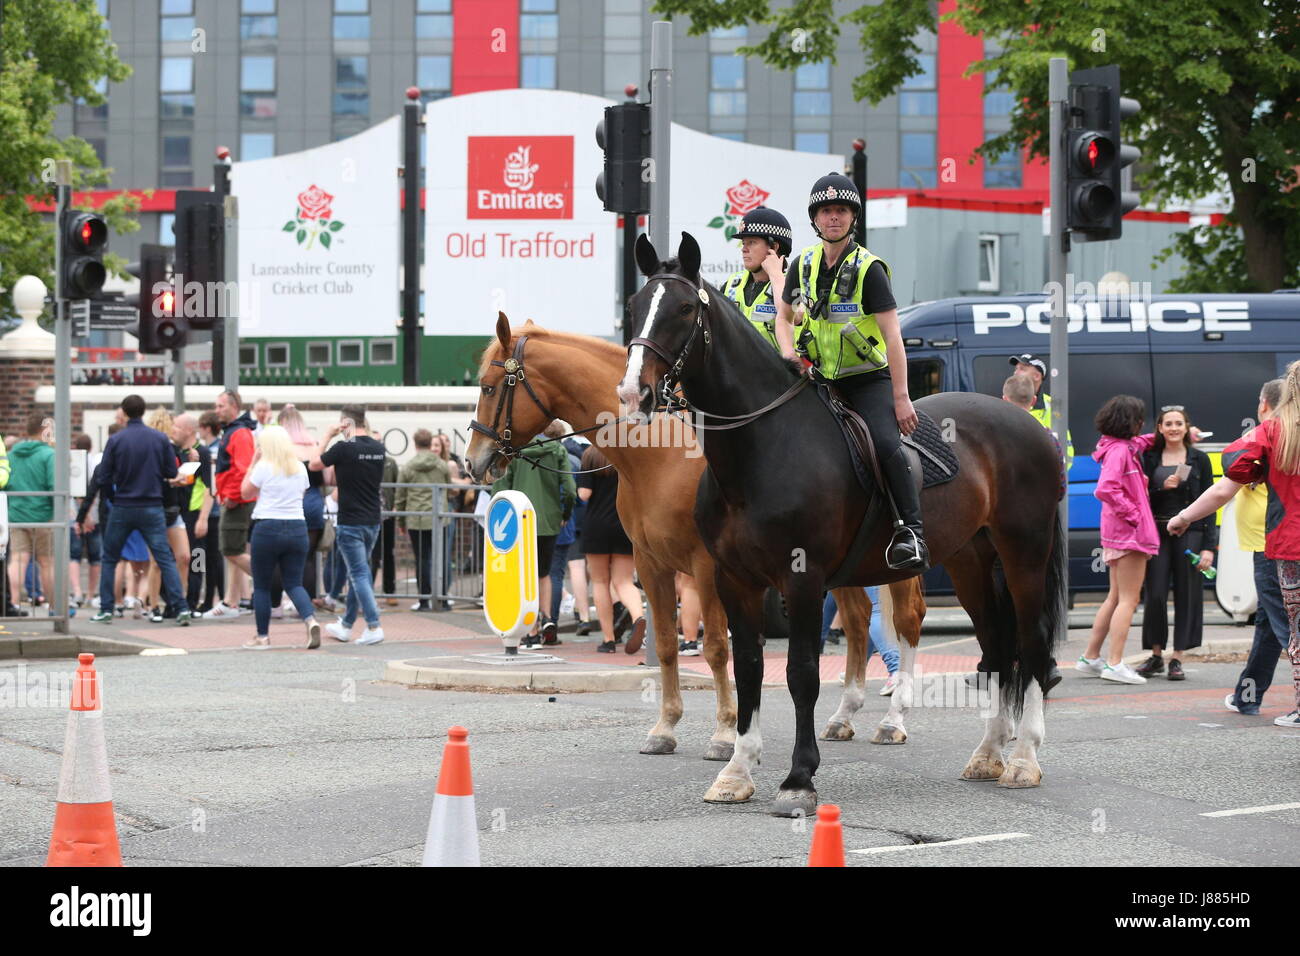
(51, 53)
(1218, 81)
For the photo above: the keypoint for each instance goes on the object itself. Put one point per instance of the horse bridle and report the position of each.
(514, 368)
(668, 385)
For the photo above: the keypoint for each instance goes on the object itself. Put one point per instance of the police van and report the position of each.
(1209, 353)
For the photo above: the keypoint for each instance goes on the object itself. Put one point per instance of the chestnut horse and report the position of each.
(573, 377)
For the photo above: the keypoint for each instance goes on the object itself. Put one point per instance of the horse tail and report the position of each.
(1033, 661)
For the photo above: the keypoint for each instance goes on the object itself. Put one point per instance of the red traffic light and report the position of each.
(167, 302)
(1093, 154)
(88, 233)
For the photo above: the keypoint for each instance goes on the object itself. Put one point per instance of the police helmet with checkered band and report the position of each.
(764, 223)
(834, 189)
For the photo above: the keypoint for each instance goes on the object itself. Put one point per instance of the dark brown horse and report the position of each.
(780, 506)
(574, 377)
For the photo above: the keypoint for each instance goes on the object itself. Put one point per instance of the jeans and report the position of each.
(355, 543)
(1271, 635)
(383, 549)
(559, 565)
(278, 543)
(877, 643)
(151, 524)
(422, 547)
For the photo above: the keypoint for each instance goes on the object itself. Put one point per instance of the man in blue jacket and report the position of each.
(136, 463)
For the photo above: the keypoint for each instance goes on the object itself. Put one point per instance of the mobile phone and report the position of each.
(1182, 471)
(348, 424)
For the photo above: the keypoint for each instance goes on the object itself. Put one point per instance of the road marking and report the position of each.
(991, 838)
(1235, 813)
(1209, 725)
(1135, 716)
(932, 647)
(163, 651)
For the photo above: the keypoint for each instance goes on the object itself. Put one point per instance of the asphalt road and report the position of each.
(289, 757)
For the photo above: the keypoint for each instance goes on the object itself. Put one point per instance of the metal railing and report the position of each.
(57, 606)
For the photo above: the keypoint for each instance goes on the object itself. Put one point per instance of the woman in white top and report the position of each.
(277, 479)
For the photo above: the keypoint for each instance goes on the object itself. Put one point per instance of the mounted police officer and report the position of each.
(849, 330)
(766, 239)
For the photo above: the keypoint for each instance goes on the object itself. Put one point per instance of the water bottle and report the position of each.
(1209, 573)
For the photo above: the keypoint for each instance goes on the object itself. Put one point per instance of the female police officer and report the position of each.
(850, 332)
(765, 241)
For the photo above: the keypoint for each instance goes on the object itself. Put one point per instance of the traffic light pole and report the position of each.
(230, 339)
(58, 601)
(1058, 80)
(661, 126)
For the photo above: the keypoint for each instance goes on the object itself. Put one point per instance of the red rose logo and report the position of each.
(313, 219)
(745, 197)
(314, 203)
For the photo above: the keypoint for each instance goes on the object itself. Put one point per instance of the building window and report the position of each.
(277, 354)
(247, 356)
(351, 20)
(177, 75)
(351, 82)
(990, 247)
(177, 161)
(257, 86)
(433, 20)
(320, 353)
(812, 89)
(167, 228)
(623, 27)
(256, 146)
(917, 169)
(539, 30)
(919, 95)
(257, 21)
(1003, 172)
(433, 76)
(728, 104)
(812, 142)
(383, 351)
(177, 21)
(350, 352)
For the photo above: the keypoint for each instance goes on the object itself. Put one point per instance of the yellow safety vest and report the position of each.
(843, 339)
(762, 314)
(1044, 416)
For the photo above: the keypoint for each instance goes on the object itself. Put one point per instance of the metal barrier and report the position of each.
(58, 609)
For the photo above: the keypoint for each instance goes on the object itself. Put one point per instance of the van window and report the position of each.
(1094, 379)
(1219, 389)
(924, 377)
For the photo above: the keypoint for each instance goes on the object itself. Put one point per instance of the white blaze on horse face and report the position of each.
(629, 392)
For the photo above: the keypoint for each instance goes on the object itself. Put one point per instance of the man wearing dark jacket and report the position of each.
(137, 463)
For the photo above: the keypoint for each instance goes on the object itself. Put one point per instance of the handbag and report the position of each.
(326, 537)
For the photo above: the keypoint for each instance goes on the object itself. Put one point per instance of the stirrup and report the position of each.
(920, 557)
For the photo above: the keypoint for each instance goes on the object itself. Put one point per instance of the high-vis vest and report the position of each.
(762, 314)
(839, 336)
(1044, 416)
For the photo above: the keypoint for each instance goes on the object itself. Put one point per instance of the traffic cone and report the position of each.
(85, 833)
(828, 838)
(452, 839)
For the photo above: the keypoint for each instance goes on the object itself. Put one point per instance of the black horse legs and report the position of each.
(798, 796)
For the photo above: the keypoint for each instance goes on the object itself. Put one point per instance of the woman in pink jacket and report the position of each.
(1128, 533)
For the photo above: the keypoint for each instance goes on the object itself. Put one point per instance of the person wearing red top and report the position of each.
(1271, 452)
(234, 455)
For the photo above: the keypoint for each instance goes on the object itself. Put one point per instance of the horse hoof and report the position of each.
(1021, 773)
(730, 790)
(889, 735)
(837, 731)
(795, 803)
(983, 768)
(659, 745)
(720, 750)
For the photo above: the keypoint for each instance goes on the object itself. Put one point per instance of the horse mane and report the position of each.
(574, 340)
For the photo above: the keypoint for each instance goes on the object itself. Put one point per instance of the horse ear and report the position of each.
(646, 257)
(688, 256)
(503, 331)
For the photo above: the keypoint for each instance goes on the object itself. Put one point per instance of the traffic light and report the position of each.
(1095, 156)
(82, 238)
(200, 229)
(624, 135)
(162, 326)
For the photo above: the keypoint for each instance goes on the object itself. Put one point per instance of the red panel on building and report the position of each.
(961, 106)
(486, 53)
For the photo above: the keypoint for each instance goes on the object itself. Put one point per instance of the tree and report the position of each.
(50, 53)
(1218, 81)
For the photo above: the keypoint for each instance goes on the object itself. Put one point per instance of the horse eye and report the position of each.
(488, 389)
(686, 309)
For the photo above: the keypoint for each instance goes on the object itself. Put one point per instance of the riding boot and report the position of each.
(907, 550)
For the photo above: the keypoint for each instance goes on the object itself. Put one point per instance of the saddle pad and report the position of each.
(938, 460)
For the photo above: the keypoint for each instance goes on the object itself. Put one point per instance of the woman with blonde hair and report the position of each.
(277, 479)
(175, 495)
(313, 501)
(1271, 452)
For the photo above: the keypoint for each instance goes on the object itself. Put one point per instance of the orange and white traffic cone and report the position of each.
(85, 833)
(828, 838)
(452, 839)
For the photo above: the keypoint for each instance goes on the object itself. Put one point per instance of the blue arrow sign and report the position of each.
(503, 525)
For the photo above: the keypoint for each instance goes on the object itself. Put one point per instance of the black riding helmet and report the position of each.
(764, 223)
(837, 189)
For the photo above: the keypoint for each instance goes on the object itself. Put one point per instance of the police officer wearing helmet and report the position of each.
(849, 330)
(765, 241)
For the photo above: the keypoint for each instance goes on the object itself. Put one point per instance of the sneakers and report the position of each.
(220, 611)
(530, 640)
(313, 636)
(583, 628)
(622, 619)
(339, 631)
(637, 637)
(834, 634)
(1176, 670)
(689, 649)
(1154, 664)
(1288, 720)
(277, 614)
(607, 647)
(550, 634)
(102, 617)
(257, 644)
(371, 635)
(183, 618)
(1092, 668)
(156, 616)
(889, 685)
(420, 606)
(1121, 673)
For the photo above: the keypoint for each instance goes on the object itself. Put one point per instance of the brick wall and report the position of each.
(19, 379)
